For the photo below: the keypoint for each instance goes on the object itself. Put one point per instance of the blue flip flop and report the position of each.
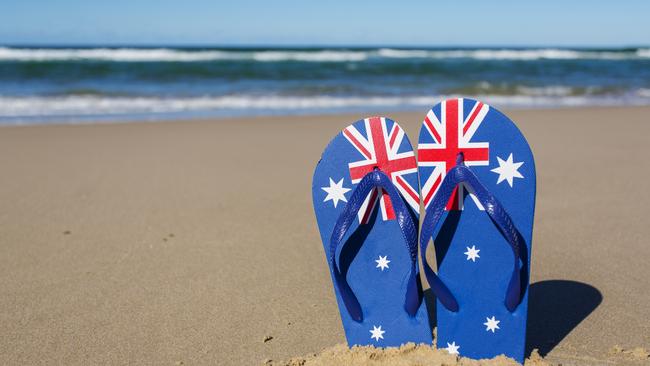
(477, 175)
(366, 198)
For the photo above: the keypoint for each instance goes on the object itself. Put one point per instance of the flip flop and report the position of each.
(478, 182)
(366, 198)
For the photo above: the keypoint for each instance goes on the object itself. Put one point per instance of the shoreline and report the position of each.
(351, 115)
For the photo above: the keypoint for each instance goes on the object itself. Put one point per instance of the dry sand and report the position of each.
(194, 242)
(406, 355)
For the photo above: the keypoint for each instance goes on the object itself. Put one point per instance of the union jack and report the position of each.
(451, 135)
(380, 149)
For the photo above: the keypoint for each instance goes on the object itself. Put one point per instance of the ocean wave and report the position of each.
(398, 53)
(85, 105)
(310, 56)
(109, 54)
(92, 105)
(175, 55)
(516, 54)
(324, 55)
(643, 93)
(643, 52)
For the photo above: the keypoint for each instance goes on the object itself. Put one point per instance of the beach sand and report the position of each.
(194, 242)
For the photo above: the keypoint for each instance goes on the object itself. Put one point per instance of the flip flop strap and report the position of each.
(373, 180)
(462, 174)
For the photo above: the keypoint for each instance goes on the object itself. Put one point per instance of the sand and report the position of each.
(406, 355)
(195, 242)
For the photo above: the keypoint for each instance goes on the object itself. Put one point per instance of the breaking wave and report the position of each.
(322, 55)
(15, 108)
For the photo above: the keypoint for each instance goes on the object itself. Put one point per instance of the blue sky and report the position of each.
(326, 22)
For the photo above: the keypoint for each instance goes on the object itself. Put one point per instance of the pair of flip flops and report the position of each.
(477, 176)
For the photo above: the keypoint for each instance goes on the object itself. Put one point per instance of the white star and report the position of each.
(472, 253)
(382, 262)
(452, 348)
(507, 170)
(491, 324)
(377, 333)
(335, 192)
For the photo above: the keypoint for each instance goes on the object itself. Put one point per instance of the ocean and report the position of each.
(85, 84)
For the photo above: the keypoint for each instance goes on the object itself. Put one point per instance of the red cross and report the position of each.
(383, 162)
(449, 153)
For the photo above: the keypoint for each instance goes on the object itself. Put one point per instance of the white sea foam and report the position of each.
(643, 52)
(514, 54)
(82, 105)
(106, 54)
(310, 56)
(396, 53)
(174, 55)
(545, 91)
(333, 55)
(87, 105)
(643, 92)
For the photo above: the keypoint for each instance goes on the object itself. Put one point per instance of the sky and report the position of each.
(326, 22)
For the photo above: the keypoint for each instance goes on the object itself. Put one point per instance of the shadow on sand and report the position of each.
(555, 308)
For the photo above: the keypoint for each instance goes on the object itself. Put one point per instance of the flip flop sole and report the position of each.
(474, 259)
(374, 257)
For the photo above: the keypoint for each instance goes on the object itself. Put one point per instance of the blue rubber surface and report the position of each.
(373, 256)
(474, 259)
